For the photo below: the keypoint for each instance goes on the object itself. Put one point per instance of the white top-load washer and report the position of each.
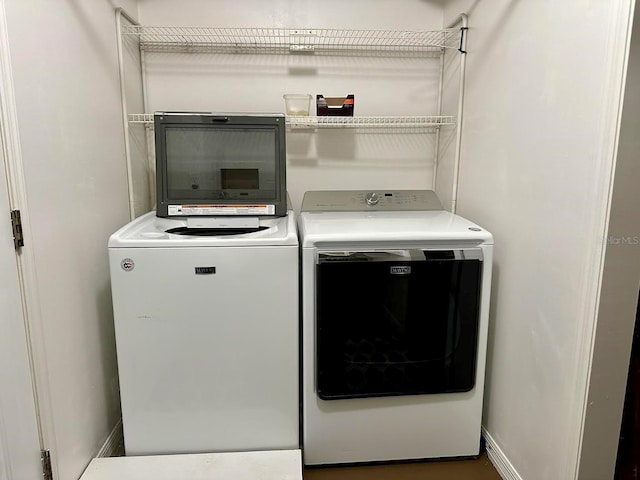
(207, 334)
(395, 305)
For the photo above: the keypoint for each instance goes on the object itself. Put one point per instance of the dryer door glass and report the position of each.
(400, 322)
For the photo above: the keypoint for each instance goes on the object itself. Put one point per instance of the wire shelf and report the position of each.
(432, 121)
(295, 122)
(302, 41)
(141, 118)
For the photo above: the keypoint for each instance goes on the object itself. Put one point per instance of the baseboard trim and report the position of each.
(499, 460)
(114, 444)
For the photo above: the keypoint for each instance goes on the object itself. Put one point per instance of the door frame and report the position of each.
(21, 435)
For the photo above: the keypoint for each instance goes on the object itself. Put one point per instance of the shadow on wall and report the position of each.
(351, 148)
(495, 288)
(104, 50)
(628, 461)
(107, 345)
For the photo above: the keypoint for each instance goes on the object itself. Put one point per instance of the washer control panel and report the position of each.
(370, 200)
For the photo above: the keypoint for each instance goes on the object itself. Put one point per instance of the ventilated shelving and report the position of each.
(422, 122)
(304, 41)
(293, 41)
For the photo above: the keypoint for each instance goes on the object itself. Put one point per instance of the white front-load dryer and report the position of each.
(207, 336)
(395, 307)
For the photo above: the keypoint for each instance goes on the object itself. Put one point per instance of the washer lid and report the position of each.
(388, 227)
(149, 231)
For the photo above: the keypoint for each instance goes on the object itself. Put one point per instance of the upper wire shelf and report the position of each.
(284, 40)
(293, 121)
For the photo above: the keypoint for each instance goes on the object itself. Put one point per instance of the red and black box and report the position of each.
(335, 106)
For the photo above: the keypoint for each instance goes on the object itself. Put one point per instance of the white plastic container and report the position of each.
(297, 103)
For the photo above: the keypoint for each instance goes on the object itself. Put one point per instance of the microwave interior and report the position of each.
(220, 160)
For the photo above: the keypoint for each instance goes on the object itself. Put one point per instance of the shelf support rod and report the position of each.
(436, 153)
(461, 19)
(120, 14)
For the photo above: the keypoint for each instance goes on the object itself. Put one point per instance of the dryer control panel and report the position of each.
(370, 200)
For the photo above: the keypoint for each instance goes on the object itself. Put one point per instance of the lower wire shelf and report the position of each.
(306, 122)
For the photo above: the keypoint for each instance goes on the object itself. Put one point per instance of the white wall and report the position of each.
(68, 102)
(542, 92)
(620, 286)
(256, 83)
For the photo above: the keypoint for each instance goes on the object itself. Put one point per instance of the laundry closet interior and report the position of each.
(489, 107)
(407, 74)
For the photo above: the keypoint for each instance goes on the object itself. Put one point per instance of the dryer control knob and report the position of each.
(372, 198)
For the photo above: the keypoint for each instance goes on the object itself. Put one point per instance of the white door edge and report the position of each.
(13, 176)
(20, 441)
(618, 46)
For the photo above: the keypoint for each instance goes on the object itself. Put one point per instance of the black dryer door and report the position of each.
(400, 322)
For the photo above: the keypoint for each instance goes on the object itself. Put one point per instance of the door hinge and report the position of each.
(16, 225)
(45, 458)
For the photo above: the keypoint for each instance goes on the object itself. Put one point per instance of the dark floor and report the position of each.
(477, 469)
(473, 469)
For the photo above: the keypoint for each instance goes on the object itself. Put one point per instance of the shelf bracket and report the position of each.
(296, 48)
(463, 31)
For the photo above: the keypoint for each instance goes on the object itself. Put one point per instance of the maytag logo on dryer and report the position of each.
(400, 270)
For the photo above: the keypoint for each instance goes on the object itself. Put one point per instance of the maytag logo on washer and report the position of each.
(205, 270)
(127, 264)
(397, 270)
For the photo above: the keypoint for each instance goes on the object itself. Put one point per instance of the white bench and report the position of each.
(270, 465)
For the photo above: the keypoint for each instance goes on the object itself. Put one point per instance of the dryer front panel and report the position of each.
(397, 322)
